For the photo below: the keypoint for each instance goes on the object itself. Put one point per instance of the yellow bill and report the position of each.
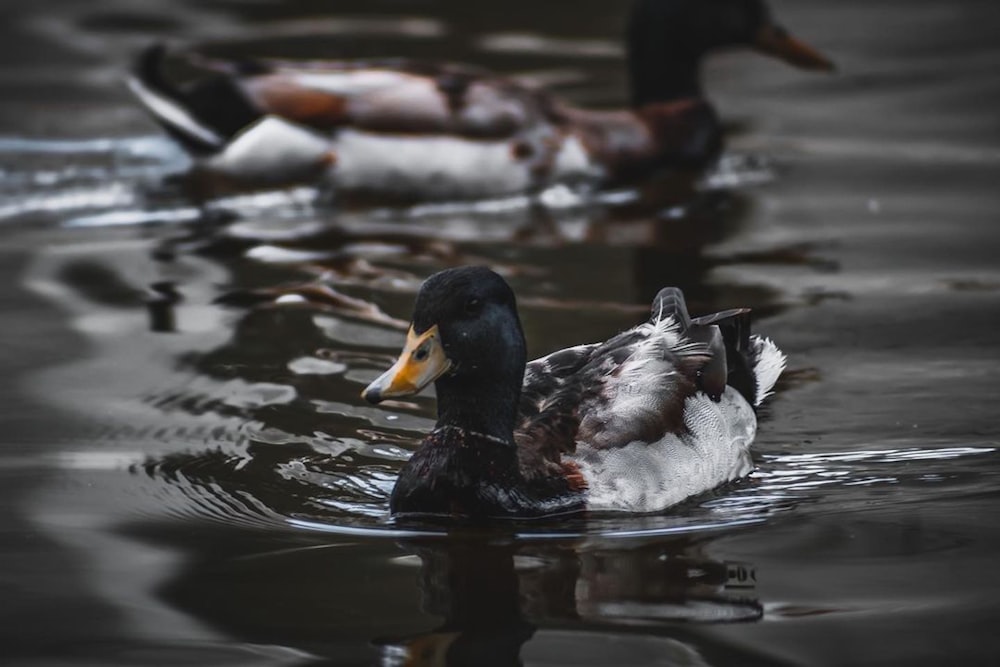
(421, 362)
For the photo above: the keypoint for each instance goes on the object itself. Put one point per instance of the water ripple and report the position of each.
(344, 486)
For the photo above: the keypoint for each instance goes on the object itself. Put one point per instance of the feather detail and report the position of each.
(574, 476)
(608, 394)
(640, 384)
(646, 432)
(649, 476)
(548, 414)
(769, 362)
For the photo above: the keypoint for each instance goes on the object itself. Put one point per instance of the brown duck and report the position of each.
(440, 131)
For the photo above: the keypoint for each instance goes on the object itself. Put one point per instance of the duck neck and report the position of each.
(475, 406)
(664, 52)
(487, 409)
(673, 78)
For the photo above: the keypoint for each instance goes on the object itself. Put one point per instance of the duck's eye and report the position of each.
(473, 306)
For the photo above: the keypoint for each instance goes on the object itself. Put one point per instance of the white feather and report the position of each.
(770, 362)
(436, 166)
(649, 477)
(664, 333)
(713, 448)
(572, 163)
(357, 82)
(273, 150)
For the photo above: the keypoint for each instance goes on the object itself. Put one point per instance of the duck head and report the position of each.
(668, 38)
(465, 337)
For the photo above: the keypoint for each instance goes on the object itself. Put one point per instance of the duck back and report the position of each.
(657, 414)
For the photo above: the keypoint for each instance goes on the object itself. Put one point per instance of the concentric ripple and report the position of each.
(341, 485)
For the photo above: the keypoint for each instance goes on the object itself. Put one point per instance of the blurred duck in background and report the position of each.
(420, 131)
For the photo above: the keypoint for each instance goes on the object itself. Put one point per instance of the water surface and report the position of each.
(201, 484)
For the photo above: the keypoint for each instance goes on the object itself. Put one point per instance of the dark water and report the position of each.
(217, 494)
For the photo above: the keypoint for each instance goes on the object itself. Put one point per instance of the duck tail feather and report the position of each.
(669, 303)
(753, 363)
(734, 324)
(749, 364)
(167, 103)
(768, 364)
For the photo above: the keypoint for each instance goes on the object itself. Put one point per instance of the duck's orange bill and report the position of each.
(775, 41)
(421, 362)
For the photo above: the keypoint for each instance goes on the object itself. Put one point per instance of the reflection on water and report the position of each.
(192, 477)
(491, 600)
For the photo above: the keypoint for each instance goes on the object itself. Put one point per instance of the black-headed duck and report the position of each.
(437, 131)
(638, 423)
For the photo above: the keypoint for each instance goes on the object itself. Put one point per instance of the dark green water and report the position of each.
(217, 495)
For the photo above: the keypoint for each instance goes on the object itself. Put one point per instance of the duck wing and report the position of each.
(631, 387)
(387, 96)
(397, 96)
(640, 380)
(549, 416)
(654, 415)
(634, 387)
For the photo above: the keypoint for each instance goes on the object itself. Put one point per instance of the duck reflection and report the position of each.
(488, 599)
(650, 585)
(477, 590)
(496, 598)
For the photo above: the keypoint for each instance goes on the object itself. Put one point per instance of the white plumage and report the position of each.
(713, 447)
(649, 477)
